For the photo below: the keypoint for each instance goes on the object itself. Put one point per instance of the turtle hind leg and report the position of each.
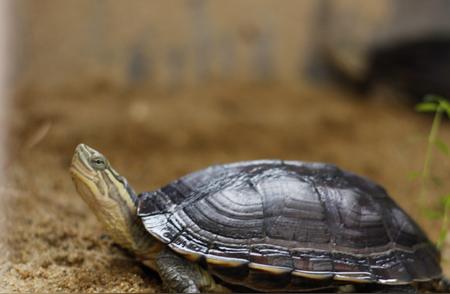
(379, 288)
(436, 286)
(441, 285)
(182, 276)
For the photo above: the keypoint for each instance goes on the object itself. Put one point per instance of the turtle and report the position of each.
(263, 225)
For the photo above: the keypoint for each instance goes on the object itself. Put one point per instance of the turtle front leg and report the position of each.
(181, 276)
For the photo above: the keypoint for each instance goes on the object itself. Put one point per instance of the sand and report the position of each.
(52, 241)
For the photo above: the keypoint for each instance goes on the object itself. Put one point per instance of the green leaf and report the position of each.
(426, 107)
(414, 175)
(432, 214)
(447, 110)
(441, 146)
(433, 98)
(444, 105)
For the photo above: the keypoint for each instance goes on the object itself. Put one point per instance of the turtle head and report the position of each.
(92, 170)
(107, 194)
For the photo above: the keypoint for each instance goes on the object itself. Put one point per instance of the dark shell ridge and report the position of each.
(311, 220)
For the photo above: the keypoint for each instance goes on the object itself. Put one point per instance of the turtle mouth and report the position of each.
(86, 179)
(79, 172)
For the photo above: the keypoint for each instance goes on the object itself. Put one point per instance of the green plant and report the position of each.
(440, 107)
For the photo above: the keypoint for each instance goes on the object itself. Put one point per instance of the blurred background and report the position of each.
(163, 88)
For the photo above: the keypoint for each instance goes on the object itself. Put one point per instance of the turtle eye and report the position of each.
(98, 163)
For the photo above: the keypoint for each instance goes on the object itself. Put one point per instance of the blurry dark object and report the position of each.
(400, 46)
(413, 68)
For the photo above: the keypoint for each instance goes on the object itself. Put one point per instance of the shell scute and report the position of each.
(344, 263)
(227, 252)
(275, 270)
(186, 242)
(315, 275)
(273, 256)
(312, 261)
(225, 261)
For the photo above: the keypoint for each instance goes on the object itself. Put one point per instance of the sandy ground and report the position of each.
(53, 243)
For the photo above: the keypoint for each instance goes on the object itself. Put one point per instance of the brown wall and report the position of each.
(172, 43)
(166, 42)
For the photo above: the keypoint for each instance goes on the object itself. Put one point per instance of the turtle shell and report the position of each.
(311, 225)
